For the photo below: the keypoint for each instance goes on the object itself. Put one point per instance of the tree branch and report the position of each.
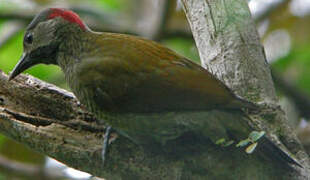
(51, 121)
(229, 47)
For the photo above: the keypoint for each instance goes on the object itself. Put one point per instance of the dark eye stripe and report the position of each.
(28, 38)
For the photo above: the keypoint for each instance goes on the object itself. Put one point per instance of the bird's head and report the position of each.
(44, 35)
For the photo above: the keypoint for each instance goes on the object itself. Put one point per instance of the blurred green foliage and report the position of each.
(18, 152)
(2, 140)
(113, 5)
(186, 47)
(10, 52)
(295, 67)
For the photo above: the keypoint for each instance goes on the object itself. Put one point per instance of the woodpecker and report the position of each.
(118, 77)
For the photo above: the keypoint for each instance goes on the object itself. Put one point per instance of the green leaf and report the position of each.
(250, 149)
(228, 143)
(255, 135)
(243, 143)
(220, 141)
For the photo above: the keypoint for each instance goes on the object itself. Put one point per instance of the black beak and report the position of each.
(24, 63)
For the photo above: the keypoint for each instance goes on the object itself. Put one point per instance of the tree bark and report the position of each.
(229, 46)
(51, 120)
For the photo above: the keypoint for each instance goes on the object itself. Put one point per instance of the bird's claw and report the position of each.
(105, 143)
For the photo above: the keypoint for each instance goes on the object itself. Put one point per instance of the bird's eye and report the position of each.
(28, 38)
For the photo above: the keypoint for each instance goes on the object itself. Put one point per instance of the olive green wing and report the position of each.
(139, 75)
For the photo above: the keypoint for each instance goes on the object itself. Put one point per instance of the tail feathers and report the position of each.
(267, 145)
(277, 153)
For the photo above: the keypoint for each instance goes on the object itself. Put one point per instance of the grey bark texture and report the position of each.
(229, 46)
(51, 121)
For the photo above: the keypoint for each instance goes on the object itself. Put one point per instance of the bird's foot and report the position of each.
(106, 142)
(254, 136)
(224, 143)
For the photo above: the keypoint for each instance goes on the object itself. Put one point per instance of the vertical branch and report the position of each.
(229, 47)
